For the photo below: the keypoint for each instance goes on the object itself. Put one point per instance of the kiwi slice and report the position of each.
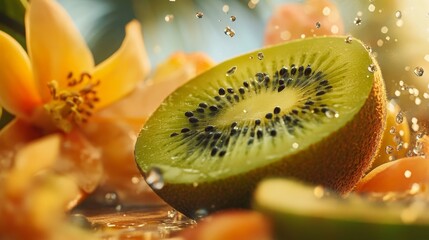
(313, 109)
(300, 211)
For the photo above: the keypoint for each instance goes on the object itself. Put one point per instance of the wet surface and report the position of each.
(136, 222)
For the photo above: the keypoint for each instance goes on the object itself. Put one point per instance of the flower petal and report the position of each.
(55, 45)
(16, 134)
(32, 158)
(18, 92)
(168, 76)
(120, 73)
(181, 67)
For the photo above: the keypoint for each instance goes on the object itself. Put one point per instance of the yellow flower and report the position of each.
(34, 196)
(57, 86)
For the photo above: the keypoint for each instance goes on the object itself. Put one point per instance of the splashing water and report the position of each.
(199, 15)
(389, 149)
(229, 31)
(231, 71)
(358, 21)
(155, 179)
(419, 71)
(348, 39)
(372, 68)
(200, 213)
(318, 25)
(399, 118)
(398, 14)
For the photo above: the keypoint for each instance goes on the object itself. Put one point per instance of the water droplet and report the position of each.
(372, 68)
(172, 213)
(398, 14)
(415, 127)
(169, 17)
(326, 11)
(418, 148)
(260, 55)
(407, 174)
(80, 220)
(389, 149)
(285, 35)
(419, 71)
(358, 21)
(399, 146)
(399, 118)
(318, 25)
(397, 93)
(332, 113)
(368, 48)
(225, 8)
(384, 29)
(349, 39)
(135, 180)
(399, 23)
(233, 18)
(231, 71)
(319, 191)
(397, 139)
(392, 130)
(295, 145)
(334, 29)
(371, 7)
(229, 31)
(111, 198)
(415, 188)
(200, 213)
(118, 207)
(155, 179)
(199, 14)
(418, 101)
(419, 135)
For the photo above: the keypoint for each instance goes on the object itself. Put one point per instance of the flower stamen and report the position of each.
(72, 105)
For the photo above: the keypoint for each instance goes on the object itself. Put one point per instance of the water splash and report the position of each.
(419, 71)
(231, 71)
(155, 179)
(229, 31)
(199, 15)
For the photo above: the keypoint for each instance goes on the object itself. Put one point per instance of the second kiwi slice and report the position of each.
(313, 109)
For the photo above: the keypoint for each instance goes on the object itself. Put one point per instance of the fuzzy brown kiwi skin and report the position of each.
(337, 162)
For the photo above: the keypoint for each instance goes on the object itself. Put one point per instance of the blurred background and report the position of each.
(397, 31)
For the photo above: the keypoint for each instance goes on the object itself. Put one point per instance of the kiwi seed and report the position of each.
(309, 109)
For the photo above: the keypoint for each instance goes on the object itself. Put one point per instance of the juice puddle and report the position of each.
(137, 222)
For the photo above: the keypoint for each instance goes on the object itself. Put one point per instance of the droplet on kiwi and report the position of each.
(308, 109)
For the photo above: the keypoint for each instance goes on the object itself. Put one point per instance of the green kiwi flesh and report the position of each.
(300, 211)
(313, 109)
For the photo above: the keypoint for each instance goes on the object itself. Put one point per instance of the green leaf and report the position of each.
(12, 14)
